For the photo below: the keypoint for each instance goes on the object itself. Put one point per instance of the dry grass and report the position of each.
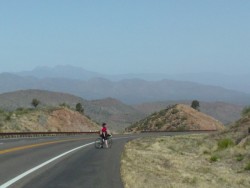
(183, 162)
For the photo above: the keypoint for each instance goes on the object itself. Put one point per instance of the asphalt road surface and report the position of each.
(60, 162)
(57, 162)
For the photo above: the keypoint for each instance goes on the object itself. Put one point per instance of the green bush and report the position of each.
(159, 124)
(8, 116)
(214, 158)
(64, 105)
(247, 166)
(225, 143)
(245, 111)
(195, 105)
(21, 111)
(35, 102)
(162, 113)
(174, 111)
(239, 157)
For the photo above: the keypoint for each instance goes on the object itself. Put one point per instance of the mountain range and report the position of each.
(237, 82)
(93, 86)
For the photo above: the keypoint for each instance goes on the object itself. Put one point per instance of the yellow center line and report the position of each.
(37, 145)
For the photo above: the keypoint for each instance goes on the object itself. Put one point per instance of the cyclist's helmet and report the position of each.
(103, 124)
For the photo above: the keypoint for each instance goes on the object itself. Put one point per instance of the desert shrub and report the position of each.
(183, 118)
(245, 111)
(206, 152)
(181, 128)
(214, 158)
(195, 104)
(64, 105)
(247, 166)
(190, 180)
(162, 113)
(225, 143)
(79, 108)
(35, 102)
(239, 157)
(174, 111)
(8, 116)
(159, 124)
(20, 111)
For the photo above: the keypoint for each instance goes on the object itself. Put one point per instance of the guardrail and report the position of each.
(39, 134)
(149, 131)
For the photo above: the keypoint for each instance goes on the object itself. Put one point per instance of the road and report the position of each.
(70, 161)
(82, 166)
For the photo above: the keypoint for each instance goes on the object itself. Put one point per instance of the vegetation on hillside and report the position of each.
(117, 114)
(212, 160)
(195, 105)
(176, 117)
(60, 118)
(246, 111)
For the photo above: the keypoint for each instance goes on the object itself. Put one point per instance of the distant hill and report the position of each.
(115, 113)
(23, 99)
(176, 117)
(131, 91)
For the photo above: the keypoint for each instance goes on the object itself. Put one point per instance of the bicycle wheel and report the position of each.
(110, 142)
(98, 143)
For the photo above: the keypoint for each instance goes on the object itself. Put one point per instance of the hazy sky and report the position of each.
(132, 36)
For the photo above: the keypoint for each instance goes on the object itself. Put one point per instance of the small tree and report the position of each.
(79, 108)
(35, 102)
(195, 105)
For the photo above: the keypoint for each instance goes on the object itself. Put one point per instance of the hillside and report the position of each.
(45, 119)
(177, 117)
(219, 160)
(22, 99)
(116, 114)
(224, 112)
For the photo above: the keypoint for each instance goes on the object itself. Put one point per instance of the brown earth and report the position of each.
(53, 119)
(177, 117)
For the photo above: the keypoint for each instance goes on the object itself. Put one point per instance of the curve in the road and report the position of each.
(12, 181)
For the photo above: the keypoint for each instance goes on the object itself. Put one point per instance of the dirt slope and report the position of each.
(48, 119)
(177, 117)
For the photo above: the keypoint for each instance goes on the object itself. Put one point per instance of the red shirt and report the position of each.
(104, 130)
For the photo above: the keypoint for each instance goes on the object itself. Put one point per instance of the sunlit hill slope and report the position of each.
(53, 119)
(177, 117)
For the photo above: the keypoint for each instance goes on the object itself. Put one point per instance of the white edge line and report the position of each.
(10, 182)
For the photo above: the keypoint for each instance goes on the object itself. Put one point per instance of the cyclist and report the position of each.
(104, 134)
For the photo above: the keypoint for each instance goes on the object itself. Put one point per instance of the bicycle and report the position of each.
(99, 142)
